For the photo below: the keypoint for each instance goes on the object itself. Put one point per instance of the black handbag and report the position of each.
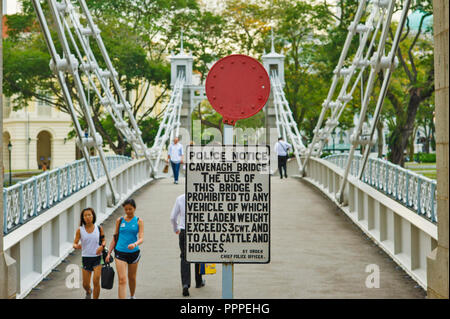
(107, 278)
(107, 275)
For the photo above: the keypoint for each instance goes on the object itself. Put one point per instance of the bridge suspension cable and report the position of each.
(286, 126)
(170, 124)
(349, 72)
(72, 32)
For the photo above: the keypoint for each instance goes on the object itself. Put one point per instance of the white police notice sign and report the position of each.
(228, 204)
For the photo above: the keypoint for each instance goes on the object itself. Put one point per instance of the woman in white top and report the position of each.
(92, 244)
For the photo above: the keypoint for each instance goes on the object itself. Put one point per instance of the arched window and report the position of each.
(44, 150)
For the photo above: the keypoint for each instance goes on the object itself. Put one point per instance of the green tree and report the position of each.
(246, 24)
(425, 121)
(209, 118)
(136, 35)
(303, 35)
(412, 85)
(203, 35)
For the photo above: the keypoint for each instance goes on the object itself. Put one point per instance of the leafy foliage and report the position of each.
(139, 36)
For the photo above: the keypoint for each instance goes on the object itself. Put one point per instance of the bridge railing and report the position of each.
(398, 229)
(415, 191)
(42, 243)
(28, 199)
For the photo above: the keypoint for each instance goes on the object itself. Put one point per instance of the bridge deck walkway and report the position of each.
(316, 252)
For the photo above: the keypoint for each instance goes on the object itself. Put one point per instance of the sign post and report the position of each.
(228, 187)
(227, 268)
(228, 207)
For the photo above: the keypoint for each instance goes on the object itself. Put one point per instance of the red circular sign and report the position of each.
(238, 87)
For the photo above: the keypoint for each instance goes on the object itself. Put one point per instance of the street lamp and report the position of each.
(10, 170)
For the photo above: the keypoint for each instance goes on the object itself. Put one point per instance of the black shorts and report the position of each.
(129, 258)
(89, 263)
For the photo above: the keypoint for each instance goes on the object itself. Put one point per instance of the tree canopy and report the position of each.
(140, 35)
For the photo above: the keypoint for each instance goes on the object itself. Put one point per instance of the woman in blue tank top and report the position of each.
(129, 234)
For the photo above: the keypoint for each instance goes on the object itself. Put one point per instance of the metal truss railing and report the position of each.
(82, 66)
(170, 124)
(369, 55)
(360, 62)
(414, 191)
(28, 199)
(286, 126)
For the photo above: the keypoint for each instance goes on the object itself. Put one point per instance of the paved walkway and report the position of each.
(316, 252)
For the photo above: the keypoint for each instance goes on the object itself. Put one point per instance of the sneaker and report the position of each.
(88, 295)
(132, 297)
(176, 182)
(185, 291)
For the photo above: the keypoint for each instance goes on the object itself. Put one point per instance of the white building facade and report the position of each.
(38, 135)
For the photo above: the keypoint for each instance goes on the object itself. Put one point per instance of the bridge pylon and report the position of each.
(273, 62)
(178, 111)
(181, 64)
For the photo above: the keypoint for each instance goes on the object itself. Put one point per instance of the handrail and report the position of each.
(29, 198)
(414, 191)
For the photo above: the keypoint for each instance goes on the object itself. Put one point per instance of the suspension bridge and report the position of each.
(332, 219)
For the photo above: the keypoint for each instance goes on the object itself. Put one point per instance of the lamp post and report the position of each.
(10, 170)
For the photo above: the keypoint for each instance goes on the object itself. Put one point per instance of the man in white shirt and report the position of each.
(177, 218)
(175, 156)
(281, 148)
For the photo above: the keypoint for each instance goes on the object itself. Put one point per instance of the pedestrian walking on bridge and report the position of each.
(281, 148)
(92, 244)
(175, 156)
(129, 234)
(177, 219)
